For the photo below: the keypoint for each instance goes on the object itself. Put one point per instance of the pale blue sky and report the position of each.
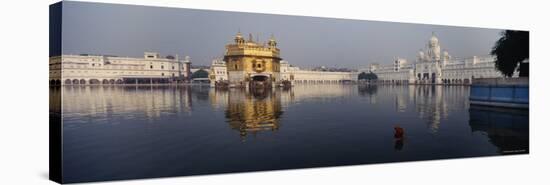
(129, 30)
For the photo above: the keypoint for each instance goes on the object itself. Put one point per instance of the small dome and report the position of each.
(272, 41)
(239, 35)
(239, 38)
(434, 39)
(420, 54)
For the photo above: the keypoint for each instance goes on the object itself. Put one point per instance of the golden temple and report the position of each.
(251, 63)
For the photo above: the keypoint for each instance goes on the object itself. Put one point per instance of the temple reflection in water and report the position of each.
(253, 111)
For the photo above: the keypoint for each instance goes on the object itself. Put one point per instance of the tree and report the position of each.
(367, 76)
(511, 50)
(362, 76)
(200, 74)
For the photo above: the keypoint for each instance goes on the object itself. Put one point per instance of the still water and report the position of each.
(114, 133)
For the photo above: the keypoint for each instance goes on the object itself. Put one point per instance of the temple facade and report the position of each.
(433, 66)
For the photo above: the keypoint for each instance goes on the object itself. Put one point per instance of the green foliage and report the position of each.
(510, 51)
(367, 76)
(200, 74)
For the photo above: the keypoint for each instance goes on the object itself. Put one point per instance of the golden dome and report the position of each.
(239, 38)
(272, 41)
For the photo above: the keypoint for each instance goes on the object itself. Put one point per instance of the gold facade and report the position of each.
(249, 60)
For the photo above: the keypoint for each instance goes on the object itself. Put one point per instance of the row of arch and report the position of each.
(55, 82)
(456, 81)
(321, 81)
(111, 81)
(444, 81)
(92, 81)
(84, 82)
(398, 82)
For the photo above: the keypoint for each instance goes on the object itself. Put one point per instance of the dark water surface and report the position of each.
(114, 133)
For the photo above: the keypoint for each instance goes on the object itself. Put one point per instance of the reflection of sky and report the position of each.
(304, 41)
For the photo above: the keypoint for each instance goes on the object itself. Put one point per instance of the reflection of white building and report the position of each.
(435, 67)
(433, 104)
(101, 69)
(86, 101)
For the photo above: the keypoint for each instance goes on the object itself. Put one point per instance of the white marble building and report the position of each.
(101, 69)
(435, 67)
(296, 75)
(400, 72)
(218, 71)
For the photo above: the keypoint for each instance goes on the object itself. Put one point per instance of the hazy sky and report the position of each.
(127, 30)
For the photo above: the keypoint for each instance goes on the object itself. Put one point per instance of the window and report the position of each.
(162, 74)
(93, 65)
(161, 67)
(151, 66)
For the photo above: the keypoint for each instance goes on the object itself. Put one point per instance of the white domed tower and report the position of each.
(429, 69)
(434, 50)
(433, 40)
